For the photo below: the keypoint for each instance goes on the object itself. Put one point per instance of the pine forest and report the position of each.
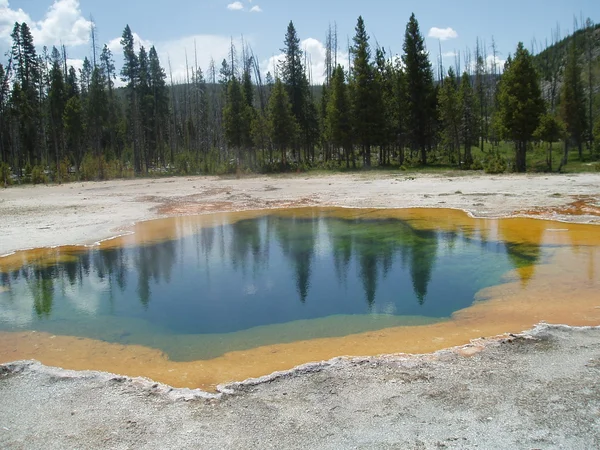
(536, 112)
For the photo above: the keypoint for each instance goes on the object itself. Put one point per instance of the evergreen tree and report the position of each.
(107, 67)
(295, 81)
(4, 125)
(520, 103)
(85, 76)
(73, 120)
(26, 99)
(248, 108)
(419, 89)
(366, 98)
(469, 122)
(160, 102)
(573, 102)
(399, 108)
(129, 74)
(282, 123)
(233, 117)
(338, 125)
(384, 91)
(145, 106)
(97, 115)
(450, 116)
(550, 130)
(57, 98)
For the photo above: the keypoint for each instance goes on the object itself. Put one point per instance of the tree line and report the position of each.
(58, 123)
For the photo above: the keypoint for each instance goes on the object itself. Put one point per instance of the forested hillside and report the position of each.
(58, 124)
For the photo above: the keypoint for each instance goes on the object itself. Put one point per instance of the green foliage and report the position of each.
(5, 174)
(596, 147)
(573, 100)
(520, 103)
(98, 168)
(469, 120)
(365, 96)
(495, 163)
(186, 164)
(420, 103)
(62, 171)
(337, 120)
(450, 116)
(38, 176)
(383, 108)
(282, 124)
(550, 129)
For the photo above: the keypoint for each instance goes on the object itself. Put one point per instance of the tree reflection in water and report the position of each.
(235, 276)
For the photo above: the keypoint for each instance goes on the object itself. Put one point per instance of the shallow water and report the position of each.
(203, 287)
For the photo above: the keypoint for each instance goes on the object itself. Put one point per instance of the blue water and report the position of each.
(258, 272)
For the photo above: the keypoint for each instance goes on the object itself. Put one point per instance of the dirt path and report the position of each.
(83, 213)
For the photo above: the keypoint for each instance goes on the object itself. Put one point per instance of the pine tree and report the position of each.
(160, 102)
(573, 102)
(4, 128)
(107, 67)
(384, 91)
(57, 98)
(249, 111)
(294, 78)
(233, 117)
(26, 101)
(399, 108)
(145, 106)
(73, 120)
(550, 130)
(419, 89)
(469, 121)
(450, 116)
(282, 123)
(97, 116)
(338, 125)
(129, 74)
(520, 103)
(85, 76)
(366, 98)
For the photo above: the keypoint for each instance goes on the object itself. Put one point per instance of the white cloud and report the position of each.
(116, 48)
(76, 63)
(449, 54)
(63, 23)
(207, 47)
(490, 60)
(235, 6)
(443, 34)
(8, 17)
(316, 58)
(256, 9)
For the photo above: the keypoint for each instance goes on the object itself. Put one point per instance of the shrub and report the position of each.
(186, 164)
(38, 176)
(477, 164)
(494, 163)
(5, 175)
(62, 171)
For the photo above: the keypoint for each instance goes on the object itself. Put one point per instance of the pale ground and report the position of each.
(83, 213)
(516, 393)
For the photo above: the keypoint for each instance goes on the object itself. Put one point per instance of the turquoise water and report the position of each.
(259, 281)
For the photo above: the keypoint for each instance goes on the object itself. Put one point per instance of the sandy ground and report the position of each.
(516, 393)
(83, 213)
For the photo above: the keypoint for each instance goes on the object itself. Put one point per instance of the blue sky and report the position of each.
(174, 26)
